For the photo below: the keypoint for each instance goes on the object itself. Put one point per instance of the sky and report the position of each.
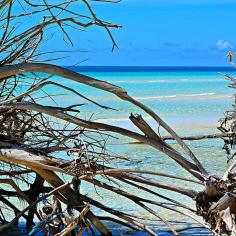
(159, 33)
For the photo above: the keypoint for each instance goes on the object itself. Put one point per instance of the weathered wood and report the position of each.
(175, 155)
(72, 225)
(121, 93)
(194, 137)
(32, 145)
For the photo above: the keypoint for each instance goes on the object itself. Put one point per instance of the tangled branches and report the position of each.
(227, 124)
(42, 142)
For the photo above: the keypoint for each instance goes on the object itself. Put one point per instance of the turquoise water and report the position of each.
(181, 94)
(190, 101)
(171, 94)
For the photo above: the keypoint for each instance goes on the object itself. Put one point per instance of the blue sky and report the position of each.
(160, 33)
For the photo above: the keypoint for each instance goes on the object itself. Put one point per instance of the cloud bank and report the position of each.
(223, 45)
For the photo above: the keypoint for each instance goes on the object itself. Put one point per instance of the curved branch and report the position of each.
(11, 70)
(41, 85)
(190, 167)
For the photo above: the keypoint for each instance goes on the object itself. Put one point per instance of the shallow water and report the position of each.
(190, 232)
(190, 101)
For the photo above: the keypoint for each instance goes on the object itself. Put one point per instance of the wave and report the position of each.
(153, 81)
(197, 95)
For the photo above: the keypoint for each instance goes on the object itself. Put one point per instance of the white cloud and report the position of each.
(223, 45)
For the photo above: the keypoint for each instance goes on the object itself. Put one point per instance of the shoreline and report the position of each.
(186, 124)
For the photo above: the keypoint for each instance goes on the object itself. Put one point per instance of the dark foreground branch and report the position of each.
(194, 137)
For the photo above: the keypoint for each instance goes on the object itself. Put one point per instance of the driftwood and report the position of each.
(39, 142)
(194, 137)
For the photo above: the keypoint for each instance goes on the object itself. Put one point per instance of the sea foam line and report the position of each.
(153, 81)
(182, 96)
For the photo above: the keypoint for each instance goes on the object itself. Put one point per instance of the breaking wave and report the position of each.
(197, 95)
(153, 81)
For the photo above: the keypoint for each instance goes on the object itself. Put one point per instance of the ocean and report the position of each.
(189, 99)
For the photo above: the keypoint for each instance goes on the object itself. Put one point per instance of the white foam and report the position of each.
(180, 96)
(147, 81)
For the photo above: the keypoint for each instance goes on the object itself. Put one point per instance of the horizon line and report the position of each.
(140, 66)
(151, 68)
